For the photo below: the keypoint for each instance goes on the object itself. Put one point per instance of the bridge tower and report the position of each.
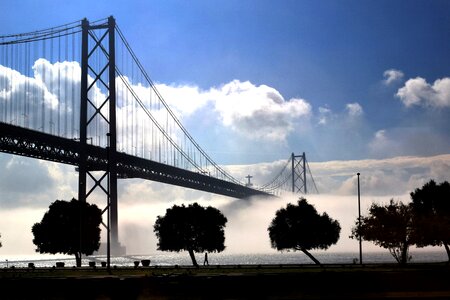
(98, 63)
(298, 169)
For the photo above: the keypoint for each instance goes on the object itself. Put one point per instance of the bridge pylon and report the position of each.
(298, 168)
(98, 69)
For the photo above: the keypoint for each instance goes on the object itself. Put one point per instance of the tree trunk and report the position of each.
(310, 256)
(404, 255)
(448, 250)
(78, 259)
(194, 261)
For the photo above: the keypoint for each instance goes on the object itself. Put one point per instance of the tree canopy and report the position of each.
(431, 211)
(69, 227)
(300, 227)
(193, 228)
(388, 226)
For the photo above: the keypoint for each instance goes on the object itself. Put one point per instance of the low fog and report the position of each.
(140, 201)
(245, 231)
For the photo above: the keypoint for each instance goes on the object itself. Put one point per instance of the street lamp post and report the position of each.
(359, 222)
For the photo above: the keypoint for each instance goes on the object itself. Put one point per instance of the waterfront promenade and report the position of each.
(377, 281)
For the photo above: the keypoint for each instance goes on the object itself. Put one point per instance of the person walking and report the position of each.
(205, 262)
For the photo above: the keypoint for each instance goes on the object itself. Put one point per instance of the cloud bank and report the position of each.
(140, 202)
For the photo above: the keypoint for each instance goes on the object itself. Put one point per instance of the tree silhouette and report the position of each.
(192, 228)
(69, 228)
(300, 227)
(431, 211)
(388, 226)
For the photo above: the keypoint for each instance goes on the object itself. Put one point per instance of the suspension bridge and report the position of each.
(77, 94)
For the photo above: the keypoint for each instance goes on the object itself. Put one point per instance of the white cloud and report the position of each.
(354, 109)
(418, 92)
(380, 177)
(392, 75)
(257, 112)
(52, 92)
(380, 142)
(185, 99)
(408, 140)
(324, 115)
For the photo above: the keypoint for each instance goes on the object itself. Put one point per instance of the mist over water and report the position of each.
(248, 220)
(141, 202)
(245, 232)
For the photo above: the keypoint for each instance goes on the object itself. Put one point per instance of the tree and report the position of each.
(192, 228)
(388, 226)
(69, 228)
(300, 227)
(431, 211)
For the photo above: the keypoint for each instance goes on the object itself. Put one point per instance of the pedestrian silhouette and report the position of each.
(206, 259)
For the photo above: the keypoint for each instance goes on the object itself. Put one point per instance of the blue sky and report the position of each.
(360, 86)
(328, 53)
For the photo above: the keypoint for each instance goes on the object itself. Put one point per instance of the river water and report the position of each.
(183, 259)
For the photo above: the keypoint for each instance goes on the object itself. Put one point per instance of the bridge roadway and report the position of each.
(26, 142)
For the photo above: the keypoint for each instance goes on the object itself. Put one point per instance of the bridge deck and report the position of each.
(25, 142)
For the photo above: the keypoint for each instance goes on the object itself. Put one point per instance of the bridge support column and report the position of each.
(112, 162)
(98, 63)
(82, 164)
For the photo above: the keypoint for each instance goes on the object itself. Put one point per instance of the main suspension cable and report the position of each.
(183, 129)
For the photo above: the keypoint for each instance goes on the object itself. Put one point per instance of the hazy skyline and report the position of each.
(360, 86)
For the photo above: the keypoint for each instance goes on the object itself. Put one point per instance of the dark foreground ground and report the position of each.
(424, 281)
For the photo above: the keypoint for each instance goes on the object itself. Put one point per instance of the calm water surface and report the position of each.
(182, 258)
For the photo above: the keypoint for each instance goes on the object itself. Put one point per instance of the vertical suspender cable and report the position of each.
(72, 92)
(65, 91)
(9, 116)
(15, 102)
(3, 83)
(43, 89)
(35, 86)
(59, 87)
(27, 79)
(51, 84)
